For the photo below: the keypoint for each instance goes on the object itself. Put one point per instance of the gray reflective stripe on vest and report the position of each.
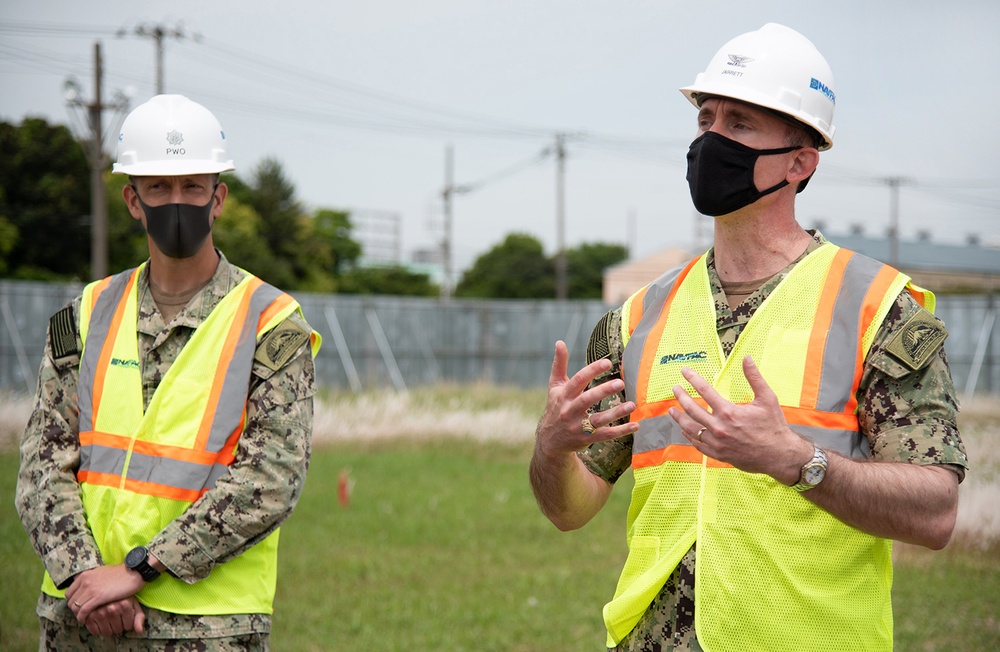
(192, 475)
(233, 396)
(656, 295)
(842, 340)
(174, 473)
(102, 459)
(658, 432)
(849, 443)
(836, 376)
(655, 433)
(100, 323)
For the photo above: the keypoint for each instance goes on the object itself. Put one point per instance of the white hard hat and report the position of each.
(776, 68)
(171, 135)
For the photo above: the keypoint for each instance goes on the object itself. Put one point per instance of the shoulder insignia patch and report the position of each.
(62, 334)
(280, 344)
(918, 339)
(598, 347)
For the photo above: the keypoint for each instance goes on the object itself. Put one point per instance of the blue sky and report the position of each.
(358, 100)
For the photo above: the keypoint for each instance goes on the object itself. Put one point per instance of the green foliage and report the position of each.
(442, 547)
(514, 269)
(127, 243)
(45, 229)
(264, 228)
(387, 280)
(44, 202)
(518, 269)
(8, 240)
(585, 266)
(334, 228)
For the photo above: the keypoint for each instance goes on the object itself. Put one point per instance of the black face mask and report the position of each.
(720, 174)
(178, 230)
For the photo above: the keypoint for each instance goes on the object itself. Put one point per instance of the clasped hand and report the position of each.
(103, 599)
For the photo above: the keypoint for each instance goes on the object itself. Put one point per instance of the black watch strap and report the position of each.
(137, 559)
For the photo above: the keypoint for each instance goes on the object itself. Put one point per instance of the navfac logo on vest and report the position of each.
(683, 357)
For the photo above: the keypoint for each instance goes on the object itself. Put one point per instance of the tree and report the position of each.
(515, 269)
(271, 198)
(127, 243)
(44, 202)
(334, 228)
(306, 252)
(393, 279)
(585, 266)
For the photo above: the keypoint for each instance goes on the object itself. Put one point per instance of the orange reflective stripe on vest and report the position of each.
(142, 466)
(186, 468)
(809, 339)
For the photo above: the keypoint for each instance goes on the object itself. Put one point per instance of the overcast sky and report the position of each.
(359, 100)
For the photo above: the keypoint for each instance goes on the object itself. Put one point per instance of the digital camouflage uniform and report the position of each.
(908, 415)
(245, 506)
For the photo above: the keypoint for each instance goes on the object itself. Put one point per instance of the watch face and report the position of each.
(813, 474)
(135, 557)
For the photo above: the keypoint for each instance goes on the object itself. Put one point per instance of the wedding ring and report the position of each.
(77, 603)
(588, 427)
(703, 429)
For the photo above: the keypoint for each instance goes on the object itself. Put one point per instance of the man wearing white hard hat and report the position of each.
(172, 428)
(786, 405)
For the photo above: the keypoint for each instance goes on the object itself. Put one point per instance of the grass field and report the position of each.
(442, 546)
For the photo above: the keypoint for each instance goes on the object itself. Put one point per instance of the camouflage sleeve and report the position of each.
(608, 459)
(267, 477)
(907, 405)
(47, 496)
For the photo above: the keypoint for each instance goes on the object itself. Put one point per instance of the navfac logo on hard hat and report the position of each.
(823, 88)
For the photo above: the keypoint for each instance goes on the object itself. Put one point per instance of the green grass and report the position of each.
(442, 547)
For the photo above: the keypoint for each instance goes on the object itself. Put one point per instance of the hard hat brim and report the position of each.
(172, 168)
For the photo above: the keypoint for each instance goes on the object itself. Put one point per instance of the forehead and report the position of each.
(184, 179)
(737, 109)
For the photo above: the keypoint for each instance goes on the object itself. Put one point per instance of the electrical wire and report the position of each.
(298, 95)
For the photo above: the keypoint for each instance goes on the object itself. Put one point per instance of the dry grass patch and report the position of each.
(478, 412)
(482, 412)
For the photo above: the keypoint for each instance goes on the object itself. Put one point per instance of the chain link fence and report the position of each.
(373, 342)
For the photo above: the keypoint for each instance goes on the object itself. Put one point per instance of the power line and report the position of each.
(334, 102)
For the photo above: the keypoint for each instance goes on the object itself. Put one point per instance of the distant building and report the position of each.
(941, 268)
(621, 280)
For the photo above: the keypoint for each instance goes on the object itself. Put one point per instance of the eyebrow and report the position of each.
(745, 116)
(736, 110)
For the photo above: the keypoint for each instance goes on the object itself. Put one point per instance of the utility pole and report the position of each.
(158, 33)
(894, 183)
(449, 190)
(98, 162)
(630, 232)
(561, 275)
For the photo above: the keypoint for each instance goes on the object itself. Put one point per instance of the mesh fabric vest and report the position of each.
(773, 571)
(142, 468)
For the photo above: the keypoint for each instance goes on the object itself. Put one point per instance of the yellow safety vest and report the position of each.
(774, 572)
(141, 469)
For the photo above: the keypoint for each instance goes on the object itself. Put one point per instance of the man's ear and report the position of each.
(803, 165)
(132, 202)
(219, 199)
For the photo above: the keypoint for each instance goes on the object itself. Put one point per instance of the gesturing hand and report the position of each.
(562, 427)
(753, 437)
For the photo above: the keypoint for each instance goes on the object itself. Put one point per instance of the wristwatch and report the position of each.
(137, 559)
(813, 471)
